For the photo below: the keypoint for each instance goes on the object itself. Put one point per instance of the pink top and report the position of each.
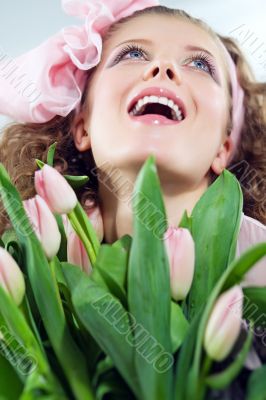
(252, 232)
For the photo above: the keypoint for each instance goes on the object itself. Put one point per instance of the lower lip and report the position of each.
(154, 119)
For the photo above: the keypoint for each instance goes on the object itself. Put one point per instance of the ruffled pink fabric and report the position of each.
(49, 79)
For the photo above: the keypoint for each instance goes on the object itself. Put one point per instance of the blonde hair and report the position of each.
(22, 143)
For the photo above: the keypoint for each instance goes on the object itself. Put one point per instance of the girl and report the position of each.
(177, 94)
(163, 83)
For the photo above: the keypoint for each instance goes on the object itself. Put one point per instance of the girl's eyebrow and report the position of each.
(187, 47)
(135, 40)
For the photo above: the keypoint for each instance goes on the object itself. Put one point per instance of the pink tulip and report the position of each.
(76, 253)
(224, 324)
(44, 225)
(95, 218)
(180, 249)
(55, 190)
(11, 277)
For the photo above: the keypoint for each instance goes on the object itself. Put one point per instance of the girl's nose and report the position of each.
(162, 69)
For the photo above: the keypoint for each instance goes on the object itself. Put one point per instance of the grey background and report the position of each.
(25, 24)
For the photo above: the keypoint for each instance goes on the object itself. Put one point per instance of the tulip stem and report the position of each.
(24, 311)
(207, 363)
(52, 264)
(206, 366)
(80, 231)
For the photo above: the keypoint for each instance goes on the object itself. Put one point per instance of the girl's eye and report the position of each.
(203, 62)
(130, 49)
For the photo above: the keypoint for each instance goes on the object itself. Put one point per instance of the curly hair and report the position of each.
(21, 144)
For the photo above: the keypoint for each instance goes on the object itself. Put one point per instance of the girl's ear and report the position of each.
(220, 161)
(80, 133)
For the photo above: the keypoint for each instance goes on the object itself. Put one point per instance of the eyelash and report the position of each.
(193, 57)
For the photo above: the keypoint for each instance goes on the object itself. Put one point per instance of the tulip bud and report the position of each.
(67, 225)
(224, 324)
(180, 249)
(55, 190)
(11, 277)
(76, 253)
(95, 218)
(44, 225)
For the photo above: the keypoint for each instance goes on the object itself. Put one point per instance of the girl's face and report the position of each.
(166, 57)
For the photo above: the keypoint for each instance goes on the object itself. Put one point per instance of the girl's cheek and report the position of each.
(209, 96)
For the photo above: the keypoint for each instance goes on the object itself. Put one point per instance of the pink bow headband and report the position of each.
(237, 102)
(49, 80)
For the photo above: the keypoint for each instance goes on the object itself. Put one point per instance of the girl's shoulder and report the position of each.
(251, 233)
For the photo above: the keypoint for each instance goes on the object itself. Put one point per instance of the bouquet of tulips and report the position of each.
(161, 315)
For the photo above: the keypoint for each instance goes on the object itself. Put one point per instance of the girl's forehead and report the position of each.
(163, 29)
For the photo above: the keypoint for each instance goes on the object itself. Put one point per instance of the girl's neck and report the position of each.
(117, 210)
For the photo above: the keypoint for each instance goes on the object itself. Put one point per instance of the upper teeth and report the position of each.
(176, 112)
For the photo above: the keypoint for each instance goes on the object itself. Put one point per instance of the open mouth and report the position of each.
(157, 109)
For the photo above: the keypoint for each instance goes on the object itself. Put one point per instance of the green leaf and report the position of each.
(246, 261)
(58, 272)
(39, 163)
(239, 267)
(103, 366)
(225, 378)
(11, 244)
(186, 221)
(10, 385)
(112, 265)
(113, 387)
(77, 181)
(125, 242)
(97, 277)
(82, 337)
(149, 296)
(28, 310)
(179, 326)
(99, 311)
(256, 389)
(215, 238)
(50, 154)
(255, 305)
(109, 383)
(37, 388)
(46, 293)
(9, 236)
(20, 344)
(184, 360)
